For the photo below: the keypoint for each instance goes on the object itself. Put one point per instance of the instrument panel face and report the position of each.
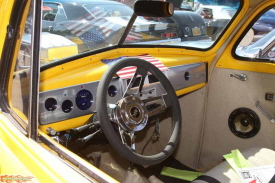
(79, 100)
(74, 101)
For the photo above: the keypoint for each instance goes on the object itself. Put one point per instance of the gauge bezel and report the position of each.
(88, 102)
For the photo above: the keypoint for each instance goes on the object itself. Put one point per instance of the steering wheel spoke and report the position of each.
(162, 101)
(132, 137)
(142, 73)
(157, 111)
(133, 141)
(121, 133)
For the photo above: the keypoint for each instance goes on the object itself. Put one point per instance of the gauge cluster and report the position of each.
(74, 101)
(79, 100)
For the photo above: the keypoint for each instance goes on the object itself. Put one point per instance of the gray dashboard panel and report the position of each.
(180, 77)
(69, 93)
(187, 75)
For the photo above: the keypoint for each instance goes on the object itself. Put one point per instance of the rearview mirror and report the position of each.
(153, 8)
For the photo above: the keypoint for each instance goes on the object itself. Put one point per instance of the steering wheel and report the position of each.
(130, 113)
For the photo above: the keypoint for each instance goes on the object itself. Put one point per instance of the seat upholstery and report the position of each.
(256, 157)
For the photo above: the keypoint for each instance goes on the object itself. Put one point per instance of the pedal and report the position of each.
(96, 158)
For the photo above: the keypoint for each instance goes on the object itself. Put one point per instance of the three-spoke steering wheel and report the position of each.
(130, 113)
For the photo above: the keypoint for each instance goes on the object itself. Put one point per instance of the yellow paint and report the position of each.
(5, 11)
(190, 89)
(16, 50)
(21, 155)
(90, 68)
(66, 124)
(228, 61)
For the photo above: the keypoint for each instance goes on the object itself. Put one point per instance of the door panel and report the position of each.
(225, 95)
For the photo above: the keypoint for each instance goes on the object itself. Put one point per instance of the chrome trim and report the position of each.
(265, 113)
(242, 77)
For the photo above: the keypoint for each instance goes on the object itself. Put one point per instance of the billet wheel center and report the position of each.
(131, 114)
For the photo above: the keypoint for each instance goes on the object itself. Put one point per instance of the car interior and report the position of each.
(131, 108)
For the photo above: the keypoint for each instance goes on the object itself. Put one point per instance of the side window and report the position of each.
(259, 42)
(20, 83)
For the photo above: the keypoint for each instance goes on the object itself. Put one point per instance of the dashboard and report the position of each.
(79, 100)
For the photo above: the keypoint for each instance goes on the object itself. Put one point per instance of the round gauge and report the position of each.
(112, 91)
(84, 99)
(186, 76)
(50, 104)
(67, 106)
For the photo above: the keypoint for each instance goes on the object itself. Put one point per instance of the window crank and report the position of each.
(241, 77)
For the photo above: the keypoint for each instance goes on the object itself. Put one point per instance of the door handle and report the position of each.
(241, 77)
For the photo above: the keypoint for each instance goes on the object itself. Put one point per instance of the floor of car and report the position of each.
(114, 165)
(169, 162)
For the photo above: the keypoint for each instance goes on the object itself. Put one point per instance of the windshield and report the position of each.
(73, 27)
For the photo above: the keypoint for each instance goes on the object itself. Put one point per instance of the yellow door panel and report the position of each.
(21, 155)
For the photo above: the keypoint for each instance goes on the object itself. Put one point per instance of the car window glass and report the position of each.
(20, 82)
(49, 11)
(70, 28)
(103, 10)
(60, 14)
(198, 27)
(262, 39)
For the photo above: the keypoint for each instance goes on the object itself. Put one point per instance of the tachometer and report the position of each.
(84, 99)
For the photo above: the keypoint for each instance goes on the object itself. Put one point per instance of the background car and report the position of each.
(260, 28)
(268, 18)
(186, 6)
(216, 18)
(96, 24)
(265, 23)
(191, 25)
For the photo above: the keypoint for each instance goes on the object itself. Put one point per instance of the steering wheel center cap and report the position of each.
(131, 113)
(134, 112)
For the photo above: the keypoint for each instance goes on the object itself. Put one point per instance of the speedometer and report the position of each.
(84, 99)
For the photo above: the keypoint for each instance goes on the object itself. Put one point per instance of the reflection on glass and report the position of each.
(73, 27)
(262, 43)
